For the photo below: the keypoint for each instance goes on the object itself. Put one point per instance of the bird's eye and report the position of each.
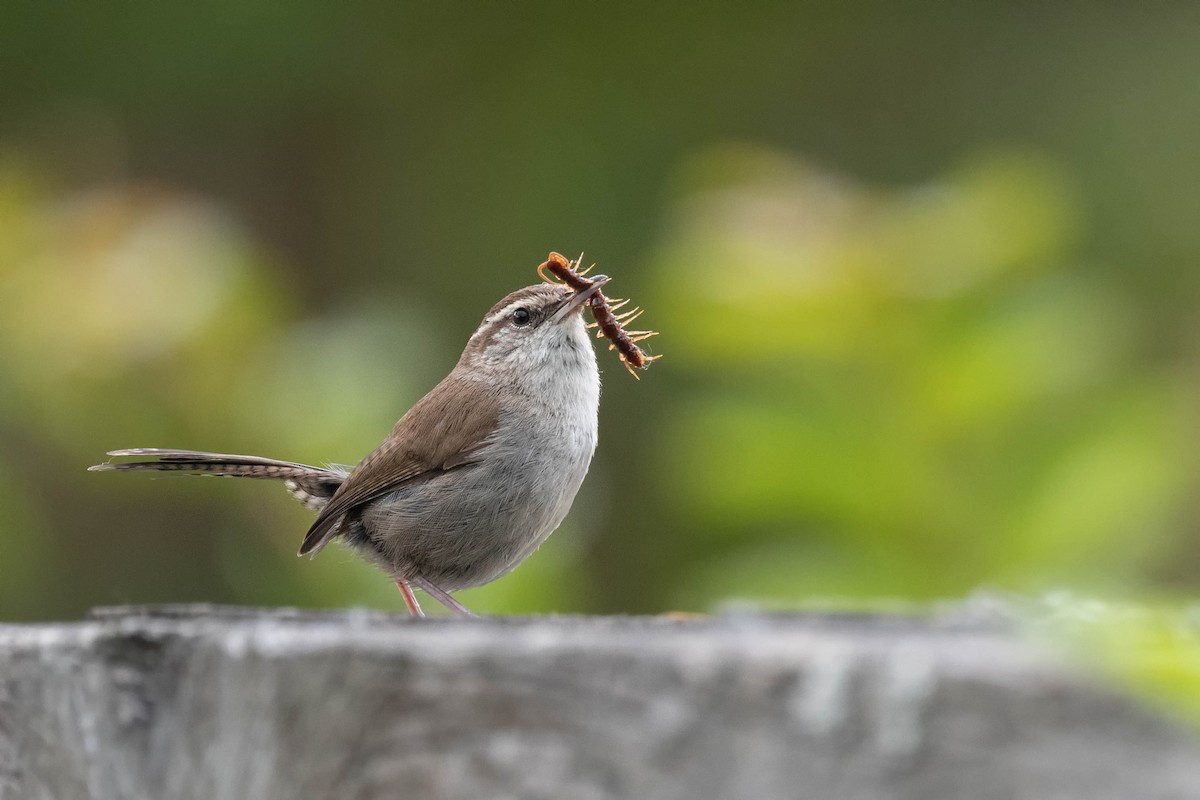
(521, 317)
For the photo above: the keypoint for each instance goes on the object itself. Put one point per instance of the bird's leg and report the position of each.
(442, 597)
(410, 599)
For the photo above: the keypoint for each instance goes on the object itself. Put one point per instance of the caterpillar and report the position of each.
(611, 325)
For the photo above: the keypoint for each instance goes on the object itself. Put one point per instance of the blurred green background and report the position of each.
(926, 278)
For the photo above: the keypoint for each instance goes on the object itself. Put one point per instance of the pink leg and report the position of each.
(410, 599)
(442, 597)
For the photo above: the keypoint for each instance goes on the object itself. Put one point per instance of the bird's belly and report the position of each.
(473, 524)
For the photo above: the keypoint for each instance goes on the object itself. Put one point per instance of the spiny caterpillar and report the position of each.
(611, 325)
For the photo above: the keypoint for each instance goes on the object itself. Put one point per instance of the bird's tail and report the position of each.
(312, 486)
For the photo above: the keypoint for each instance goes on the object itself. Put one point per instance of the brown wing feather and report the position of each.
(444, 430)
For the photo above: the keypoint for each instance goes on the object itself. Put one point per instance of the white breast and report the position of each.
(555, 433)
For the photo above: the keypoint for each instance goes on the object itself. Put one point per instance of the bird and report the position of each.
(474, 477)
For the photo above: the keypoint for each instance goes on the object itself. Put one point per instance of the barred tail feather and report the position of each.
(312, 486)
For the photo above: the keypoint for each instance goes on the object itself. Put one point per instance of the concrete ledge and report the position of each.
(201, 702)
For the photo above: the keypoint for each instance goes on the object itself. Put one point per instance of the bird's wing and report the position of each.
(456, 420)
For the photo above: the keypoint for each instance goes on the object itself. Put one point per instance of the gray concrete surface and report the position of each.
(213, 703)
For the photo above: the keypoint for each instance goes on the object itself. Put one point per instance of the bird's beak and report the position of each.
(577, 300)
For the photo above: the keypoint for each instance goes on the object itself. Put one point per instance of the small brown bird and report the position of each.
(476, 475)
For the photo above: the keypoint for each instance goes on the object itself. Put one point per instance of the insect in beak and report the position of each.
(611, 325)
(579, 299)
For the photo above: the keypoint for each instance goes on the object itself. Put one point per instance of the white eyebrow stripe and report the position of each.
(499, 315)
(504, 312)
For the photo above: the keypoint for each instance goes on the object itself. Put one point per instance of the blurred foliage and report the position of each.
(926, 283)
(918, 390)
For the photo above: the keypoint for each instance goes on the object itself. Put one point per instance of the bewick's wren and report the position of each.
(476, 475)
